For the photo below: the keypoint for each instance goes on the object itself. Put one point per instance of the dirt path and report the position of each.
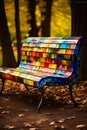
(18, 112)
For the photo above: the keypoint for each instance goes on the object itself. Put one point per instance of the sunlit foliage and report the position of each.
(60, 18)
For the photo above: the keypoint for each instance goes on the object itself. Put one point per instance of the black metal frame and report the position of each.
(41, 100)
(71, 95)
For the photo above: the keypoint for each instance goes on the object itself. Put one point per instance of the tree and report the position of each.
(7, 52)
(17, 24)
(32, 18)
(45, 17)
(79, 28)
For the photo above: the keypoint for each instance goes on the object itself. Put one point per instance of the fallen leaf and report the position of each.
(60, 127)
(84, 101)
(33, 128)
(52, 123)
(0, 108)
(27, 124)
(5, 112)
(40, 121)
(9, 127)
(17, 93)
(80, 126)
(49, 113)
(61, 120)
(21, 115)
(6, 99)
(71, 117)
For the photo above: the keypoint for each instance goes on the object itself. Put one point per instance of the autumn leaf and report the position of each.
(80, 126)
(21, 115)
(5, 112)
(9, 127)
(0, 108)
(27, 124)
(33, 129)
(71, 117)
(60, 127)
(52, 123)
(48, 113)
(61, 120)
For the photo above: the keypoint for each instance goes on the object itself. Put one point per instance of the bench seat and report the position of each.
(47, 61)
(35, 76)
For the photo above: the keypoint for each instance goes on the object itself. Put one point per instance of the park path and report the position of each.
(18, 112)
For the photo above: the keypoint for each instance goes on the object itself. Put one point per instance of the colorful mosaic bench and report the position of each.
(50, 61)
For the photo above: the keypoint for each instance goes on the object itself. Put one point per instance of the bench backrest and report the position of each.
(53, 55)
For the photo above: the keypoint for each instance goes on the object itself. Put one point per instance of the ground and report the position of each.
(18, 110)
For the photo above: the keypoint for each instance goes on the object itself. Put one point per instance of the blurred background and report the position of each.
(60, 17)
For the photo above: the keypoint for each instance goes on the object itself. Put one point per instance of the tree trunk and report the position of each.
(32, 18)
(45, 24)
(17, 24)
(7, 52)
(79, 28)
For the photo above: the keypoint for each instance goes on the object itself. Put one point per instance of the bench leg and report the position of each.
(1, 85)
(41, 100)
(26, 87)
(71, 95)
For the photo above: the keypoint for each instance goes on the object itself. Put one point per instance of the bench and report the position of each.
(47, 61)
